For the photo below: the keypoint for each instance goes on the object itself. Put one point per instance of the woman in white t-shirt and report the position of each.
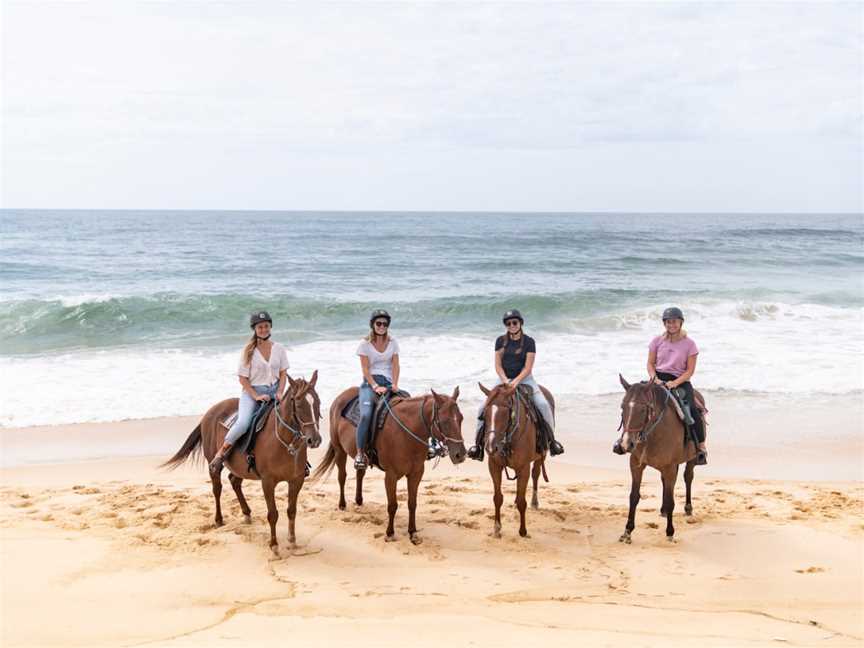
(262, 373)
(379, 361)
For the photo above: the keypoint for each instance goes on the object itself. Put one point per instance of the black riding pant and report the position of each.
(698, 427)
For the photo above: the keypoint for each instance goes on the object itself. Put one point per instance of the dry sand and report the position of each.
(117, 553)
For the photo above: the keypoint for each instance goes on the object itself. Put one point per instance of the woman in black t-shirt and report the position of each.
(514, 362)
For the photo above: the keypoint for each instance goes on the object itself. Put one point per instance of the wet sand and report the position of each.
(115, 552)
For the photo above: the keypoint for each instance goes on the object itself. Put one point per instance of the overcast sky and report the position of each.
(433, 106)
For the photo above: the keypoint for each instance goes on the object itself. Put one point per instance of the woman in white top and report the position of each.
(262, 373)
(379, 361)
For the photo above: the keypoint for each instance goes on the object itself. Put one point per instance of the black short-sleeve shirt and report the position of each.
(513, 358)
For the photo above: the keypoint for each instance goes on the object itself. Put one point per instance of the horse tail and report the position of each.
(326, 464)
(192, 446)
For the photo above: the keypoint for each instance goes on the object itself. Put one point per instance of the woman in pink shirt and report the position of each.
(672, 362)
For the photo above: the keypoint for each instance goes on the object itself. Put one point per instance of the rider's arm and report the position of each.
(526, 370)
(652, 365)
(691, 369)
(499, 368)
(283, 378)
(247, 387)
(394, 365)
(364, 366)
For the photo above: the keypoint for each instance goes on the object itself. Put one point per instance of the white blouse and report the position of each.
(380, 364)
(261, 372)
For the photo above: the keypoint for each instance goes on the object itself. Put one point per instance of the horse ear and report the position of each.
(290, 379)
(455, 393)
(483, 389)
(434, 395)
(314, 378)
(624, 383)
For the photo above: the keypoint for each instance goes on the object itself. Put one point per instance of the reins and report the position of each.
(296, 434)
(647, 427)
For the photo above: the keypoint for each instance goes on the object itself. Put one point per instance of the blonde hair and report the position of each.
(681, 333)
(250, 347)
(371, 337)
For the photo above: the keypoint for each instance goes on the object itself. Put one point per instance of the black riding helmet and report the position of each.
(511, 314)
(258, 317)
(673, 313)
(379, 313)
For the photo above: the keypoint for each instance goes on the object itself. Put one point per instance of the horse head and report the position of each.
(498, 411)
(638, 407)
(448, 419)
(301, 402)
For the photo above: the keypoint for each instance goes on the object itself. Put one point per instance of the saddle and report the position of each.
(526, 395)
(351, 412)
(680, 405)
(248, 438)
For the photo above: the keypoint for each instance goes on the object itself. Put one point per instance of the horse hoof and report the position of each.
(671, 540)
(416, 540)
(625, 538)
(535, 504)
(390, 538)
(275, 549)
(342, 506)
(358, 502)
(525, 535)
(219, 523)
(247, 518)
(688, 512)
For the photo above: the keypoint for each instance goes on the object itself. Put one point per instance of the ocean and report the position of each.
(110, 315)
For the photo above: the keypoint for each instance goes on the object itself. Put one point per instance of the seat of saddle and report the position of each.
(351, 411)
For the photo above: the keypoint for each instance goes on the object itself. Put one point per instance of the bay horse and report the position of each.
(654, 436)
(511, 442)
(401, 445)
(280, 451)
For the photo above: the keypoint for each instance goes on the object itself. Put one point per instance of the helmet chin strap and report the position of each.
(263, 339)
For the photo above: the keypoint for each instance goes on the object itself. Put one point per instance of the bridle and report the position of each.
(297, 435)
(513, 404)
(430, 429)
(647, 427)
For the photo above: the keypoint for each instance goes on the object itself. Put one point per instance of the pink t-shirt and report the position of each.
(672, 356)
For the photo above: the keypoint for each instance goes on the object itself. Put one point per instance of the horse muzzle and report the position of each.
(457, 452)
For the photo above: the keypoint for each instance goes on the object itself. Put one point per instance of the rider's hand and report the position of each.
(380, 390)
(262, 397)
(394, 389)
(670, 384)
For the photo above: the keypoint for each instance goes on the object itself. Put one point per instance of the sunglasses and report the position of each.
(511, 322)
(382, 324)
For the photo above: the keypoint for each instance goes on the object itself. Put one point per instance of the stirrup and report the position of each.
(475, 452)
(555, 448)
(360, 461)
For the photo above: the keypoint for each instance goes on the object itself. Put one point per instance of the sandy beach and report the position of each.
(115, 552)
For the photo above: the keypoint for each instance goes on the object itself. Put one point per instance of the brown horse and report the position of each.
(506, 416)
(280, 451)
(654, 436)
(401, 446)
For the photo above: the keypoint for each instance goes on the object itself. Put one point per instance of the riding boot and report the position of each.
(701, 455)
(555, 447)
(219, 459)
(475, 452)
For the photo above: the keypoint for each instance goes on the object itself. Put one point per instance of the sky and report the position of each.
(517, 106)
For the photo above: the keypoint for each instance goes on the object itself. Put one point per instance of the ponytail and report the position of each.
(249, 349)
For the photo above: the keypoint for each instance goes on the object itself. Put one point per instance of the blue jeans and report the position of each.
(246, 410)
(539, 400)
(367, 409)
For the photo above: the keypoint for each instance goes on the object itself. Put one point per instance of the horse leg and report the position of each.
(497, 496)
(269, 488)
(237, 485)
(688, 482)
(358, 495)
(670, 476)
(662, 501)
(413, 483)
(217, 495)
(341, 458)
(535, 477)
(521, 502)
(294, 487)
(390, 480)
(636, 470)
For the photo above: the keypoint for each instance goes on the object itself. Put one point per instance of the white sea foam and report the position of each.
(776, 349)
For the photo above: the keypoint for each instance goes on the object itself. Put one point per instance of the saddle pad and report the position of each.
(699, 402)
(351, 411)
(229, 420)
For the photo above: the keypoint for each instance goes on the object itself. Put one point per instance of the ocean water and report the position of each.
(108, 315)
